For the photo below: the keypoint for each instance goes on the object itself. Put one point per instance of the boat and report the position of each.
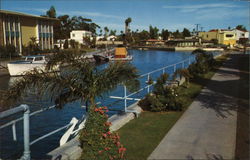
(127, 58)
(18, 68)
(121, 54)
(100, 58)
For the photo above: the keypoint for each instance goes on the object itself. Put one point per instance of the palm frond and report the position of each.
(65, 57)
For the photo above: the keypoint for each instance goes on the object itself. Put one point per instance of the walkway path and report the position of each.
(207, 130)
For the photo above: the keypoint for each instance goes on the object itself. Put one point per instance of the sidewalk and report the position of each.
(207, 130)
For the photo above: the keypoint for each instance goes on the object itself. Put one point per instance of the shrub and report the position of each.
(204, 63)
(97, 141)
(8, 51)
(163, 98)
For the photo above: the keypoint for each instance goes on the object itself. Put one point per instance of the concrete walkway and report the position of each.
(207, 130)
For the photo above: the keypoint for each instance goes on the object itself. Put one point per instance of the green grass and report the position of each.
(142, 135)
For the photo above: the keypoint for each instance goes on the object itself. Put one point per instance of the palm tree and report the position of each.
(106, 30)
(82, 80)
(127, 21)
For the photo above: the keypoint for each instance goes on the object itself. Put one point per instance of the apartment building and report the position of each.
(226, 37)
(18, 28)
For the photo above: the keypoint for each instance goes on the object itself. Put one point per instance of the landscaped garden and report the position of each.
(142, 135)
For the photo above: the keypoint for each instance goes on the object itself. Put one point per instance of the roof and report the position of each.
(26, 15)
(216, 30)
(241, 30)
(190, 40)
(153, 40)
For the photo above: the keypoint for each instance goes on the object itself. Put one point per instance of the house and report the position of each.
(111, 38)
(188, 42)
(153, 42)
(18, 28)
(226, 37)
(241, 34)
(78, 35)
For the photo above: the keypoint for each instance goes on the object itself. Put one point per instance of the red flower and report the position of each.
(107, 148)
(109, 133)
(105, 107)
(118, 144)
(104, 135)
(108, 123)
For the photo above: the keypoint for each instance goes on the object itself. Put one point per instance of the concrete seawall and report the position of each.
(72, 150)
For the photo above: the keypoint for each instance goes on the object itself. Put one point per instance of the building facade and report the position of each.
(188, 42)
(226, 37)
(78, 35)
(18, 29)
(241, 34)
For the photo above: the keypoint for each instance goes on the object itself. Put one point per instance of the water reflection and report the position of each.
(145, 61)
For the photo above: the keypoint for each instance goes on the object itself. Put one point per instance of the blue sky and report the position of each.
(167, 14)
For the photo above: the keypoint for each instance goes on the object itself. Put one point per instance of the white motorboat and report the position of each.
(127, 58)
(19, 68)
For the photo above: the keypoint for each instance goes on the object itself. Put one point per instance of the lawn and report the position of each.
(142, 135)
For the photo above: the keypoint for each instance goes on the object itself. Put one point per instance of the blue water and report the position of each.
(144, 61)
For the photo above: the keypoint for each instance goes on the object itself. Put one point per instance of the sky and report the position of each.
(164, 14)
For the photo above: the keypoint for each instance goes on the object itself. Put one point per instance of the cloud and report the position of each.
(72, 13)
(91, 14)
(120, 26)
(194, 8)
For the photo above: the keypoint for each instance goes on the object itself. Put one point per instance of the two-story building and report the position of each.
(78, 35)
(18, 28)
(226, 37)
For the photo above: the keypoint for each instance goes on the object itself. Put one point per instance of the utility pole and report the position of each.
(197, 27)
(202, 29)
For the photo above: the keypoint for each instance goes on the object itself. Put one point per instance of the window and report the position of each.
(229, 35)
(207, 35)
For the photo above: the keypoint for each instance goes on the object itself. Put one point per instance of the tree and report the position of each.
(177, 34)
(241, 27)
(127, 22)
(165, 34)
(66, 44)
(186, 33)
(106, 30)
(51, 12)
(83, 80)
(112, 32)
(153, 32)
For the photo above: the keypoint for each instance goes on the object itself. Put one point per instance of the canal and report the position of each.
(40, 124)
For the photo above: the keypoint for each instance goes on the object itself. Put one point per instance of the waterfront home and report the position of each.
(188, 42)
(240, 34)
(18, 28)
(78, 35)
(153, 42)
(223, 36)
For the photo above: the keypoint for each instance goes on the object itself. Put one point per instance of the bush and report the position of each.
(204, 63)
(96, 140)
(163, 98)
(8, 51)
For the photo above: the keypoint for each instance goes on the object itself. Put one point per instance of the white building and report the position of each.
(78, 35)
(241, 34)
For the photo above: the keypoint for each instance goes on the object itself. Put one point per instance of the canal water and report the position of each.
(47, 121)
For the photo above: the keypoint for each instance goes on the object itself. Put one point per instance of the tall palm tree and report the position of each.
(106, 30)
(127, 22)
(82, 80)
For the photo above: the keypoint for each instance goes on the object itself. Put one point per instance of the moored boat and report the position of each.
(121, 54)
(19, 68)
(100, 58)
